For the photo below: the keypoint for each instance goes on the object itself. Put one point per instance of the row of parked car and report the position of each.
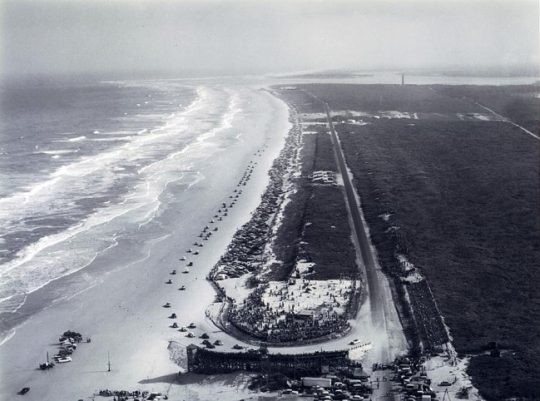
(67, 345)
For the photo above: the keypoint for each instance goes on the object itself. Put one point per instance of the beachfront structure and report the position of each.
(206, 361)
(323, 177)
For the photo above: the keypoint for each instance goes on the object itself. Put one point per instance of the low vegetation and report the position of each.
(315, 226)
(460, 200)
(471, 219)
(519, 103)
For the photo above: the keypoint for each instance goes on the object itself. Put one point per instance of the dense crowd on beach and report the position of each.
(125, 395)
(249, 252)
(245, 253)
(268, 324)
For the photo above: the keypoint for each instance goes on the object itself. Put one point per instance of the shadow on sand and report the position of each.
(193, 378)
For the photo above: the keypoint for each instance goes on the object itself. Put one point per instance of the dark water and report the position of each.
(70, 157)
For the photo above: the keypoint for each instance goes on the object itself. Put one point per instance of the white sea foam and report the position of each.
(116, 133)
(162, 152)
(57, 152)
(110, 139)
(7, 336)
(76, 139)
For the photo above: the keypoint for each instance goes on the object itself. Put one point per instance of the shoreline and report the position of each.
(130, 323)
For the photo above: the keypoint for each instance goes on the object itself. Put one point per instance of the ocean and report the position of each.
(84, 167)
(91, 173)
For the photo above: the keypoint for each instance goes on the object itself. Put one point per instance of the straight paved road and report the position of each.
(358, 223)
(360, 231)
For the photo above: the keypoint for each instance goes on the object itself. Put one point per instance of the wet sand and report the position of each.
(122, 309)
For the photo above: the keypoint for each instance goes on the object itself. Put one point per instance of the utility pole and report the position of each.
(402, 78)
(108, 361)
(446, 393)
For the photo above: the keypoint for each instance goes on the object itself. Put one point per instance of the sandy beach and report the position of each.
(118, 299)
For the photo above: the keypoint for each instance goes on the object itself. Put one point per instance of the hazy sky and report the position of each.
(264, 36)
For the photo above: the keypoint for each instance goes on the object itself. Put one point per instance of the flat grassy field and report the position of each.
(315, 225)
(411, 98)
(461, 199)
(520, 103)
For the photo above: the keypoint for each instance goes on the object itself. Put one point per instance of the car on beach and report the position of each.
(182, 288)
(190, 335)
(46, 365)
(157, 396)
(65, 351)
(167, 305)
(24, 390)
(191, 325)
(237, 346)
(64, 359)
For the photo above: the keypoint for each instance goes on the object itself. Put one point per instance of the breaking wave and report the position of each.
(80, 210)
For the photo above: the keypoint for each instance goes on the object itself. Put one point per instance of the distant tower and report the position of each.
(402, 78)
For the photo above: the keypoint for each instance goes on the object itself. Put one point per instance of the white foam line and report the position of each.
(111, 139)
(226, 123)
(91, 163)
(8, 337)
(113, 243)
(76, 139)
(200, 177)
(56, 152)
(106, 215)
(92, 221)
(128, 133)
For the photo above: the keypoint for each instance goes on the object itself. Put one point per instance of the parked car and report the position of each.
(24, 390)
